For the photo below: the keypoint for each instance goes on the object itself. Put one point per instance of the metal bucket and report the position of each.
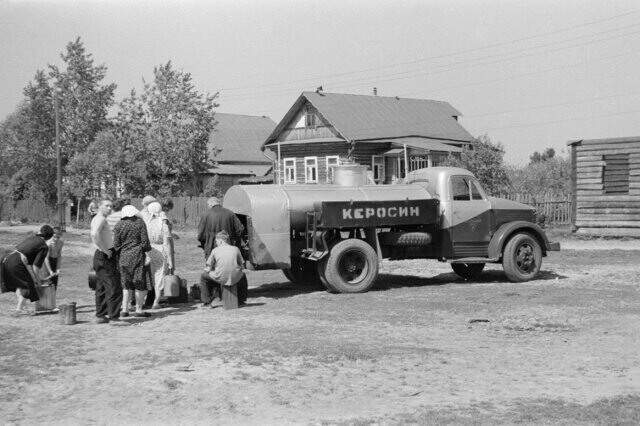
(68, 313)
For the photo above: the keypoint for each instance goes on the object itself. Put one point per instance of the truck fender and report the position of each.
(500, 237)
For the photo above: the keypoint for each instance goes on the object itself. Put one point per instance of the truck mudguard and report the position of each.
(505, 231)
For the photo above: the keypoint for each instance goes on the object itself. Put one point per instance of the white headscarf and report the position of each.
(129, 211)
(154, 208)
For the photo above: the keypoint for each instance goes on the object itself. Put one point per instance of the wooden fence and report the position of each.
(27, 211)
(556, 209)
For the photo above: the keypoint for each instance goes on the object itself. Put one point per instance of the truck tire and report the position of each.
(468, 271)
(352, 266)
(522, 257)
(404, 238)
(322, 267)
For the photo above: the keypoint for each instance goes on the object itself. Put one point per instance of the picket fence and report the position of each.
(188, 210)
(556, 209)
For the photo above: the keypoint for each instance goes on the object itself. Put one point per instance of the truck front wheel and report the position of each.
(351, 267)
(522, 258)
(468, 271)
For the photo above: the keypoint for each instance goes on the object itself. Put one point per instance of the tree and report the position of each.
(28, 152)
(82, 105)
(548, 154)
(486, 161)
(166, 129)
(550, 176)
(83, 102)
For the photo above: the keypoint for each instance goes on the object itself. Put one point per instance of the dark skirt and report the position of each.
(15, 276)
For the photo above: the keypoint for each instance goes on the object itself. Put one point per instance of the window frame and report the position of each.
(380, 166)
(329, 167)
(310, 117)
(307, 168)
(286, 167)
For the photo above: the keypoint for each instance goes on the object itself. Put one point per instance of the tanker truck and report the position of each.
(338, 233)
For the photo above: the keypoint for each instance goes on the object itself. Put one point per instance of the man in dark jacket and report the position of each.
(215, 220)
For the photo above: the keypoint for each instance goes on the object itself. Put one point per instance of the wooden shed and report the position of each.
(605, 180)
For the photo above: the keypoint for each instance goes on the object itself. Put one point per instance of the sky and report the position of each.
(529, 74)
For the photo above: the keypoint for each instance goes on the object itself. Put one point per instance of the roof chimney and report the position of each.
(375, 91)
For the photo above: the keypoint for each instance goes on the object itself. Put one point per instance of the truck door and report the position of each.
(470, 219)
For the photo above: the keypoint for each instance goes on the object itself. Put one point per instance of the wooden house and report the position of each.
(605, 180)
(234, 145)
(390, 135)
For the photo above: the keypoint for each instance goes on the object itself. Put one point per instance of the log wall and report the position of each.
(606, 186)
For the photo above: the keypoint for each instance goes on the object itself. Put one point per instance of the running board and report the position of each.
(474, 260)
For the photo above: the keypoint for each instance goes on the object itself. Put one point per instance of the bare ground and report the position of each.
(424, 347)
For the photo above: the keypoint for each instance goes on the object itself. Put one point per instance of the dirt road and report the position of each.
(423, 347)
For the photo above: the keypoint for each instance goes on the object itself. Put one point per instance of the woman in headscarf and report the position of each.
(20, 269)
(161, 254)
(131, 242)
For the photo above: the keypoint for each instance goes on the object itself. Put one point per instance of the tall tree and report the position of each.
(485, 160)
(166, 129)
(82, 99)
(82, 105)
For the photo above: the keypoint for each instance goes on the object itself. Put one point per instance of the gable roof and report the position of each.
(363, 117)
(240, 137)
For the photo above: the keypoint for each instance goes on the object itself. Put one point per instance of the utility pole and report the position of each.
(61, 203)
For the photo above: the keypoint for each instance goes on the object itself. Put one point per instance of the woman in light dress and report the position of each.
(161, 254)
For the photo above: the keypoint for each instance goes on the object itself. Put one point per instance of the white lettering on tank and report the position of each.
(357, 213)
(381, 212)
(346, 214)
(393, 212)
(369, 212)
(404, 211)
(414, 211)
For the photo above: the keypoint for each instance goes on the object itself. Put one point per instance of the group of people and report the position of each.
(133, 254)
(134, 251)
(33, 263)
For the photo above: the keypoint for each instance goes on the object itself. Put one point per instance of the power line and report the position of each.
(475, 83)
(448, 67)
(327, 76)
(599, 98)
(558, 121)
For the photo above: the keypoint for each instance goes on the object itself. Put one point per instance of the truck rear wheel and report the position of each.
(351, 267)
(522, 258)
(468, 271)
(322, 267)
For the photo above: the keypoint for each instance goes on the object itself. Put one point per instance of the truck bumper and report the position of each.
(554, 246)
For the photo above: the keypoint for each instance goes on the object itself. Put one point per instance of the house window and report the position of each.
(289, 170)
(418, 162)
(615, 174)
(332, 160)
(377, 167)
(311, 169)
(310, 117)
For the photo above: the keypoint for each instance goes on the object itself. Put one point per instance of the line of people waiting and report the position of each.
(128, 242)
(134, 251)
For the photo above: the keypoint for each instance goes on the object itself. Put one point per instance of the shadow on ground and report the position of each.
(284, 289)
